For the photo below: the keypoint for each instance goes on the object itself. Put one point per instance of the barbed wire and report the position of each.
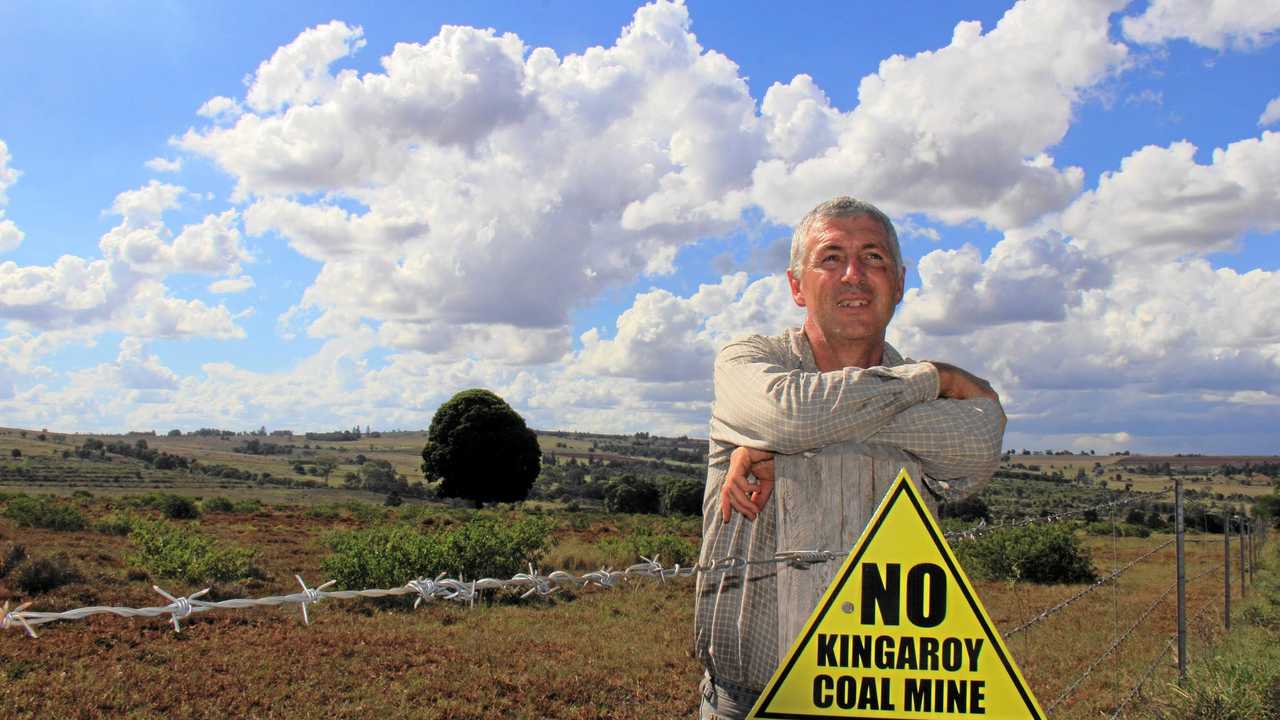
(1070, 690)
(983, 528)
(440, 587)
(1150, 670)
(1045, 614)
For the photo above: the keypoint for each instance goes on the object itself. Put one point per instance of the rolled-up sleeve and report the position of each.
(763, 404)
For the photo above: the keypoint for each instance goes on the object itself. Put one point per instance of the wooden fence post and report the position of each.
(825, 499)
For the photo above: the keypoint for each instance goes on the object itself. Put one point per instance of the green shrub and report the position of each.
(322, 512)
(682, 496)
(181, 552)
(115, 523)
(174, 507)
(1036, 553)
(630, 494)
(246, 506)
(668, 549)
(1118, 529)
(43, 512)
(364, 512)
(391, 555)
(44, 574)
(217, 504)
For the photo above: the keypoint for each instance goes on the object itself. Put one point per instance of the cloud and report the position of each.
(167, 165)
(123, 291)
(664, 338)
(139, 371)
(1216, 24)
(145, 205)
(230, 286)
(1162, 204)
(470, 160)
(298, 73)
(10, 236)
(958, 133)
(1271, 114)
(1024, 279)
(220, 109)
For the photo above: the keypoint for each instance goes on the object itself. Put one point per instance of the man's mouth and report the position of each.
(853, 303)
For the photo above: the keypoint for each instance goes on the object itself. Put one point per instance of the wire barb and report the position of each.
(16, 616)
(179, 608)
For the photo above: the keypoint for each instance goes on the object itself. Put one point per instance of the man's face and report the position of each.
(849, 283)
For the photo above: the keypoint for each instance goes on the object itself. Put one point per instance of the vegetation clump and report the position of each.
(391, 555)
(481, 450)
(168, 550)
(41, 575)
(43, 512)
(1035, 553)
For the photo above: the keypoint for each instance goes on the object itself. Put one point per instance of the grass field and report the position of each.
(623, 653)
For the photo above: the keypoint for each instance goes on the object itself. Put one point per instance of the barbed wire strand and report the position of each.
(1070, 690)
(983, 528)
(1045, 614)
(1155, 663)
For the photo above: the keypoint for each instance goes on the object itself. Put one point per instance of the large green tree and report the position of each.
(481, 449)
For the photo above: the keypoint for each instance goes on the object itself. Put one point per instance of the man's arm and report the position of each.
(955, 440)
(762, 404)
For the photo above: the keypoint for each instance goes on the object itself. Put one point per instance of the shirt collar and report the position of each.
(802, 349)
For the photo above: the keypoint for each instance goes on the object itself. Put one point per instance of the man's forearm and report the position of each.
(955, 440)
(768, 407)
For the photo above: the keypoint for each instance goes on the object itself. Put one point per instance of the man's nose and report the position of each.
(854, 272)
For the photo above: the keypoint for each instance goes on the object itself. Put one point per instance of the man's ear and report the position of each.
(796, 293)
(902, 285)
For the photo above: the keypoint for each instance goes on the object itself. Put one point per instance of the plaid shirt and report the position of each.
(770, 395)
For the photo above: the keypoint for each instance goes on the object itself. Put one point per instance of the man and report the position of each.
(834, 380)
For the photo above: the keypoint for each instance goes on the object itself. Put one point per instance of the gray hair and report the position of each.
(841, 207)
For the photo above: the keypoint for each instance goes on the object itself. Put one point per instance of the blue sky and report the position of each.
(317, 215)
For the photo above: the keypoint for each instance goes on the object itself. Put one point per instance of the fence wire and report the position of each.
(534, 583)
(1048, 612)
(983, 528)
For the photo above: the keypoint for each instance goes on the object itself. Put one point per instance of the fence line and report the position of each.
(1045, 614)
(180, 608)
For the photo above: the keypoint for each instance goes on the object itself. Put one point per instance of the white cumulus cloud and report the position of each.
(1217, 24)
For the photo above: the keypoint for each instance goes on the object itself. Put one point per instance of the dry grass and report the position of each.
(622, 653)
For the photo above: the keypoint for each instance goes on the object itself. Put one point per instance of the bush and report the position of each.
(217, 504)
(171, 551)
(1120, 529)
(43, 512)
(682, 496)
(629, 494)
(246, 506)
(390, 555)
(115, 523)
(45, 574)
(970, 509)
(13, 557)
(667, 549)
(174, 507)
(1035, 553)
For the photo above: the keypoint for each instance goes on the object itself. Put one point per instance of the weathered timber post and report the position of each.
(825, 499)
(1226, 570)
(1243, 566)
(1179, 530)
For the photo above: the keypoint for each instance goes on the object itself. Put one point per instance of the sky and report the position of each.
(318, 215)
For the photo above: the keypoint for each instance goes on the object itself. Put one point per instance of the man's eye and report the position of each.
(827, 259)
(875, 258)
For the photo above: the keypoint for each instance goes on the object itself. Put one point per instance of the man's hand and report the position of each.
(958, 384)
(739, 492)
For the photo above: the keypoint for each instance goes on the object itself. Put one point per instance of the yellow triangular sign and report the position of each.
(899, 634)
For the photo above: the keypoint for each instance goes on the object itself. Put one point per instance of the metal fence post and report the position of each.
(1242, 564)
(1179, 530)
(1226, 570)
